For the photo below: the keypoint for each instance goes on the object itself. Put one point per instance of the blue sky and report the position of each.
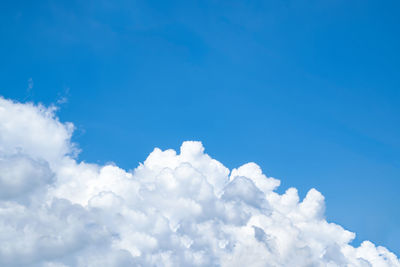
(309, 90)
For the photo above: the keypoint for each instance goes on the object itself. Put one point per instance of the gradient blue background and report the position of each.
(309, 90)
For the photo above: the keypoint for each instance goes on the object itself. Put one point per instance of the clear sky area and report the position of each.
(309, 90)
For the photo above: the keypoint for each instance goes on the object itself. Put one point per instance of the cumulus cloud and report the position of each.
(174, 209)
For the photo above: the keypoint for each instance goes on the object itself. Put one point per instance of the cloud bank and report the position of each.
(183, 209)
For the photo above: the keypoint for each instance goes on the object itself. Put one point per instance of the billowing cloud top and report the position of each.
(183, 209)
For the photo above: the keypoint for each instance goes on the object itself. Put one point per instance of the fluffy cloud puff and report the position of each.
(183, 209)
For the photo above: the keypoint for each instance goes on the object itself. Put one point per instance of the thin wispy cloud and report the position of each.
(63, 97)
(29, 92)
(30, 85)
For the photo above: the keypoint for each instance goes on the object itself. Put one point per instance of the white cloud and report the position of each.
(183, 209)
